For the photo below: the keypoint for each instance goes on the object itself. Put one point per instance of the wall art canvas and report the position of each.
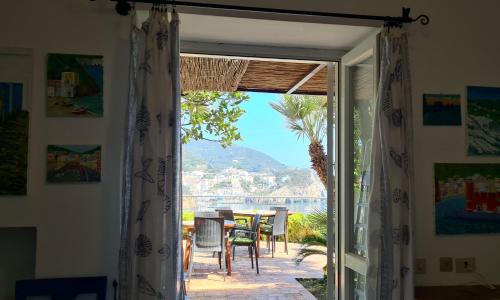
(14, 130)
(73, 163)
(483, 121)
(441, 110)
(74, 85)
(467, 198)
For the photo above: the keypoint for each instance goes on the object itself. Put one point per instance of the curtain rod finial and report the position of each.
(122, 7)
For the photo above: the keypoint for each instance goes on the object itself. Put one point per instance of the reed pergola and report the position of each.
(257, 75)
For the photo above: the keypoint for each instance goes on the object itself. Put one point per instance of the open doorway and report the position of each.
(255, 142)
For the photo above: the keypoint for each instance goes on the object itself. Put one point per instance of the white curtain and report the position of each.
(390, 221)
(150, 264)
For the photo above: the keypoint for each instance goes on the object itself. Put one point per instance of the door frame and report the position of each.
(344, 202)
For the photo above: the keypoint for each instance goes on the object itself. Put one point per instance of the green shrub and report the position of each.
(188, 216)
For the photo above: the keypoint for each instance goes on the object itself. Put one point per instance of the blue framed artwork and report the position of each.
(14, 129)
(483, 121)
(467, 198)
(441, 110)
(74, 85)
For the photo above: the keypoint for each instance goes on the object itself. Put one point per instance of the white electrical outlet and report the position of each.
(420, 266)
(465, 265)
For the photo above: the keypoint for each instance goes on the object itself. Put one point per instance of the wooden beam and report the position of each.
(305, 79)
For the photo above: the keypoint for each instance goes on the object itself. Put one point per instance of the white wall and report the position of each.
(78, 225)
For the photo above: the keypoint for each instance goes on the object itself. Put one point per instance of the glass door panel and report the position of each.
(359, 75)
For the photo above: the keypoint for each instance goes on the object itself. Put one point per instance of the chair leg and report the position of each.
(268, 239)
(273, 242)
(256, 260)
(251, 254)
(220, 263)
(286, 244)
(223, 254)
(190, 269)
(234, 251)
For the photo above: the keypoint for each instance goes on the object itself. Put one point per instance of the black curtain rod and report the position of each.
(123, 7)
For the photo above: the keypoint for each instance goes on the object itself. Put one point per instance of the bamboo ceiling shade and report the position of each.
(227, 74)
(211, 74)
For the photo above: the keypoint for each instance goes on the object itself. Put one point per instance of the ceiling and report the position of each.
(219, 29)
(265, 76)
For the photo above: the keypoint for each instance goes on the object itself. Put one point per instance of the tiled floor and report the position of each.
(276, 280)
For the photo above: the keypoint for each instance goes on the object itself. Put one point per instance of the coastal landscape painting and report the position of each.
(14, 128)
(73, 163)
(483, 121)
(74, 85)
(441, 110)
(467, 198)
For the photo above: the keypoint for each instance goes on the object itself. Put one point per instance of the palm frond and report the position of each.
(306, 252)
(305, 115)
(314, 240)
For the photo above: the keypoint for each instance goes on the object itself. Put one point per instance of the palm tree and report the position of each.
(306, 117)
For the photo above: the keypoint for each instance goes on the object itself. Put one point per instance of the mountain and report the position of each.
(209, 169)
(217, 157)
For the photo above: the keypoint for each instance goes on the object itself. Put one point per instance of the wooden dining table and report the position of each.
(263, 213)
(189, 226)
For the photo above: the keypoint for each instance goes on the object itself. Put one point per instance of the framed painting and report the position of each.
(73, 163)
(14, 131)
(467, 198)
(441, 110)
(74, 85)
(483, 121)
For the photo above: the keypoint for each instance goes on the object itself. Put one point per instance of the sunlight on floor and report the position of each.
(276, 280)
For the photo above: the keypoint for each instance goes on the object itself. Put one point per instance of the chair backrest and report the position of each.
(255, 223)
(209, 232)
(276, 208)
(227, 214)
(206, 214)
(280, 221)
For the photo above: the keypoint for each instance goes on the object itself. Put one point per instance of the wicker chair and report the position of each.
(277, 228)
(228, 215)
(270, 221)
(208, 237)
(248, 237)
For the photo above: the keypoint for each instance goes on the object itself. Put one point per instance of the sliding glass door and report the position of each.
(358, 76)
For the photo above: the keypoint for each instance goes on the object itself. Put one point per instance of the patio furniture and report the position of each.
(248, 237)
(229, 216)
(208, 236)
(270, 220)
(277, 228)
(263, 214)
(189, 226)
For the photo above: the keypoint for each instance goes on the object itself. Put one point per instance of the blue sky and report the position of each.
(264, 129)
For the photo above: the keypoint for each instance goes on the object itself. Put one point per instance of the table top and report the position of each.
(190, 224)
(252, 213)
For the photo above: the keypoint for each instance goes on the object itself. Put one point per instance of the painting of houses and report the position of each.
(483, 121)
(75, 163)
(441, 110)
(467, 198)
(74, 85)
(14, 128)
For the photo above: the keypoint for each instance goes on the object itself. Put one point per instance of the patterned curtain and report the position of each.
(150, 264)
(390, 221)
